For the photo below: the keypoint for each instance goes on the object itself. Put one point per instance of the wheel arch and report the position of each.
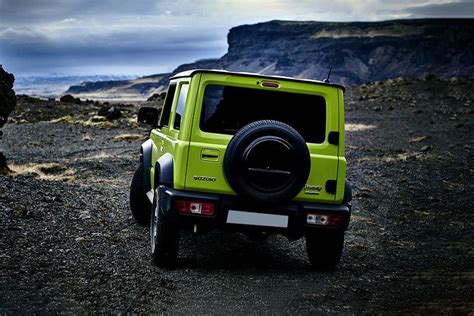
(145, 158)
(164, 171)
(347, 192)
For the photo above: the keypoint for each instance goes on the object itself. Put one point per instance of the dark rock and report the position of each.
(7, 95)
(113, 114)
(67, 98)
(3, 165)
(109, 112)
(7, 104)
(103, 110)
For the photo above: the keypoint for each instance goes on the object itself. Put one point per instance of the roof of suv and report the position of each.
(189, 73)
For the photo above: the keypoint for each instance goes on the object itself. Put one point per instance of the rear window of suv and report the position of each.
(226, 109)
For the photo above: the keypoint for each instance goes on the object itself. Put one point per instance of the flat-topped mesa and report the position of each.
(358, 51)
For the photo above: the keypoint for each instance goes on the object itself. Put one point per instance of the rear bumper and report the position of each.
(295, 211)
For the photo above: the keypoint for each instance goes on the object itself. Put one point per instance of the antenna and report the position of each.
(329, 75)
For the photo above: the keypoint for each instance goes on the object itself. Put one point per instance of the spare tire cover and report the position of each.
(267, 161)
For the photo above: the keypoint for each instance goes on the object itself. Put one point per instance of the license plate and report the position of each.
(257, 219)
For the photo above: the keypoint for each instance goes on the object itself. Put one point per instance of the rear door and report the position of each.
(225, 103)
(169, 139)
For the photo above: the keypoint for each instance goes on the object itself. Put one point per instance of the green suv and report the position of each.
(244, 152)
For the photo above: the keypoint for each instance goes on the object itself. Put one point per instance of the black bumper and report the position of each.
(296, 212)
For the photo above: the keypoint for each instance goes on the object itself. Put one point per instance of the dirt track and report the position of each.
(69, 243)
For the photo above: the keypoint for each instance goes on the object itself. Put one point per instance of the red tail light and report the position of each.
(195, 207)
(324, 219)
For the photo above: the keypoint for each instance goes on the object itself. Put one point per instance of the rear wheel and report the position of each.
(164, 236)
(139, 203)
(324, 249)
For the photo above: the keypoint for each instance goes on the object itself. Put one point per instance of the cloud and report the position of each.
(452, 9)
(66, 48)
(35, 11)
(91, 35)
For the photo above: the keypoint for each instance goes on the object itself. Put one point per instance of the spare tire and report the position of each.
(267, 161)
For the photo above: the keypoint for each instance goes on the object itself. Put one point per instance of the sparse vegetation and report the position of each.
(72, 247)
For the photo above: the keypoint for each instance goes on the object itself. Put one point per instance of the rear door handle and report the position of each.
(210, 154)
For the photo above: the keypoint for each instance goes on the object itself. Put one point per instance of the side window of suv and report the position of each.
(165, 114)
(183, 93)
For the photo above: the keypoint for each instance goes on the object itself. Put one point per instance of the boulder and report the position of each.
(7, 104)
(7, 95)
(109, 112)
(3, 165)
(67, 98)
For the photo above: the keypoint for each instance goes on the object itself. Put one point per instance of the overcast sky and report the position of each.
(140, 37)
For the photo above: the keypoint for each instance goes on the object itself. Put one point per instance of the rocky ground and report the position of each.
(70, 245)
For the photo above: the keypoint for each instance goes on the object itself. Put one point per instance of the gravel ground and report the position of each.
(69, 243)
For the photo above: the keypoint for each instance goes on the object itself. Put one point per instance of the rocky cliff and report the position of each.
(357, 51)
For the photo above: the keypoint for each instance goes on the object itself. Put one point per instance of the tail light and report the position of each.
(195, 207)
(324, 219)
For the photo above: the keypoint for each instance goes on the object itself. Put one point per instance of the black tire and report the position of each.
(139, 203)
(324, 249)
(164, 236)
(267, 161)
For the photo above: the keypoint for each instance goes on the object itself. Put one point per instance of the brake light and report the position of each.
(195, 207)
(324, 219)
(270, 84)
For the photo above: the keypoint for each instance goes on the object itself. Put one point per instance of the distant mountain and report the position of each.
(134, 89)
(357, 51)
(54, 85)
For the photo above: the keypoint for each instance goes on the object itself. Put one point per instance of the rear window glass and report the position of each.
(226, 109)
(165, 114)
(183, 93)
